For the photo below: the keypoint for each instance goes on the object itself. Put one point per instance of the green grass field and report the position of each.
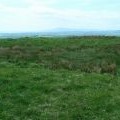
(60, 78)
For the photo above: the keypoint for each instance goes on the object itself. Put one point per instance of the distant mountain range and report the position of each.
(62, 32)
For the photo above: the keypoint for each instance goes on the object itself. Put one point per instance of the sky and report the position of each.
(42, 15)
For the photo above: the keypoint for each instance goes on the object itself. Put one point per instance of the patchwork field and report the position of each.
(60, 78)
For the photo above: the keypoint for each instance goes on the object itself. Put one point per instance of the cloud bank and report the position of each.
(39, 15)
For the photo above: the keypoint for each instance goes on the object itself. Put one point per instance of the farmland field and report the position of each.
(60, 78)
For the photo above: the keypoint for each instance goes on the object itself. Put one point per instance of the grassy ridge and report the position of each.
(72, 78)
(88, 54)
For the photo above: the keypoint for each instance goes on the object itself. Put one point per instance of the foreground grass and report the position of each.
(30, 93)
(74, 78)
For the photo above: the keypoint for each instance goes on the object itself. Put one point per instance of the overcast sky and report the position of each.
(40, 15)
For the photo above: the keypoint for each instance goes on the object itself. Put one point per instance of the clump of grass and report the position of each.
(99, 68)
(109, 68)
